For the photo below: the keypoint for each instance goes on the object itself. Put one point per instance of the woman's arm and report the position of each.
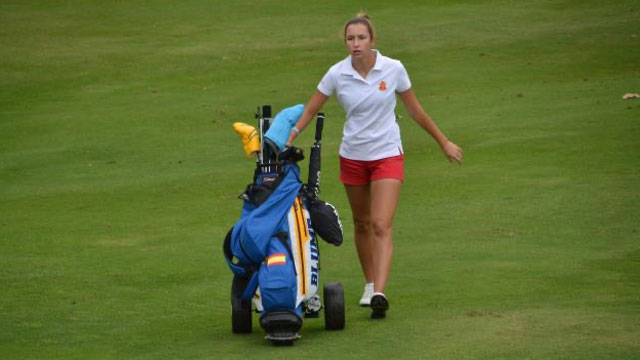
(417, 113)
(313, 106)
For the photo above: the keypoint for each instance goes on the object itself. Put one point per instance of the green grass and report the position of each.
(119, 173)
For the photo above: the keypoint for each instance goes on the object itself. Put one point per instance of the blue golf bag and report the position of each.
(273, 251)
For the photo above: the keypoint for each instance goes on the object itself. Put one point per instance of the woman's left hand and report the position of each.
(453, 152)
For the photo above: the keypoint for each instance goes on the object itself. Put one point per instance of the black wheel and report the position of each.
(333, 306)
(241, 314)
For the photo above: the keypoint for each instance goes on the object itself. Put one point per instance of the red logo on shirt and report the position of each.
(383, 86)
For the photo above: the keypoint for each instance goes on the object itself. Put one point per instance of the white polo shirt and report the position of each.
(370, 130)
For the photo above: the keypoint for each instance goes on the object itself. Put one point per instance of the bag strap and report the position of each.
(236, 268)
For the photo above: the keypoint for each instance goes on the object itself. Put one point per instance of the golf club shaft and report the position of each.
(264, 127)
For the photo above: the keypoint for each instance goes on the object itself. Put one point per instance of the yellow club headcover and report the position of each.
(249, 136)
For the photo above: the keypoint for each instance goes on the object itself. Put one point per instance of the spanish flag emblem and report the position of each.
(276, 259)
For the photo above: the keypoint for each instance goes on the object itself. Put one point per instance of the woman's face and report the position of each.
(358, 40)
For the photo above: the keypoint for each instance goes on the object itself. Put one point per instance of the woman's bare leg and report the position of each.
(384, 199)
(360, 201)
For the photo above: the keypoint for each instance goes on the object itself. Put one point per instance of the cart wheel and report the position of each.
(333, 306)
(240, 309)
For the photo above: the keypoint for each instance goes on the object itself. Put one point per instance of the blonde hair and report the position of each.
(364, 19)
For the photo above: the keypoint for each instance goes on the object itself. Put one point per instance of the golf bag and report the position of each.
(272, 249)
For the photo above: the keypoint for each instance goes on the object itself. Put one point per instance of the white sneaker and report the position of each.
(366, 296)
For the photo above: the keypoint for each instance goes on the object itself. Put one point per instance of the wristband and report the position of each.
(295, 129)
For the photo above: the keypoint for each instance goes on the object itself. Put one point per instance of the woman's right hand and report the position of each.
(291, 137)
(453, 152)
(313, 106)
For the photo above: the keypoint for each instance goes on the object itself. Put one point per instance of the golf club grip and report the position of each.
(266, 111)
(319, 124)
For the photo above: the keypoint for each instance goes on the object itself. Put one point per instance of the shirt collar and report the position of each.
(348, 69)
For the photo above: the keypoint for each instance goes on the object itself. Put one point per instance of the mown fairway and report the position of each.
(119, 173)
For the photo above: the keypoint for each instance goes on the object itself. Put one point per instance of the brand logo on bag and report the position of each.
(314, 257)
(383, 86)
(276, 259)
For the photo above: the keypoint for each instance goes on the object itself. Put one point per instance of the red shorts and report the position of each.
(359, 172)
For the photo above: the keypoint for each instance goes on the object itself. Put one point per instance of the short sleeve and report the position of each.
(404, 83)
(327, 84)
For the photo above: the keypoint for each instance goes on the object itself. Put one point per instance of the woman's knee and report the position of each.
(362, 224)
(381, 228)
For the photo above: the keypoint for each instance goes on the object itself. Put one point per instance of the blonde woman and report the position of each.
(366, 84)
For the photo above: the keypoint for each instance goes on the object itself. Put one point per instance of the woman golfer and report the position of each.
(371, 156)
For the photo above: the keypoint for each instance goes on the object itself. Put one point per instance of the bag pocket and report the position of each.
(277, 278)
